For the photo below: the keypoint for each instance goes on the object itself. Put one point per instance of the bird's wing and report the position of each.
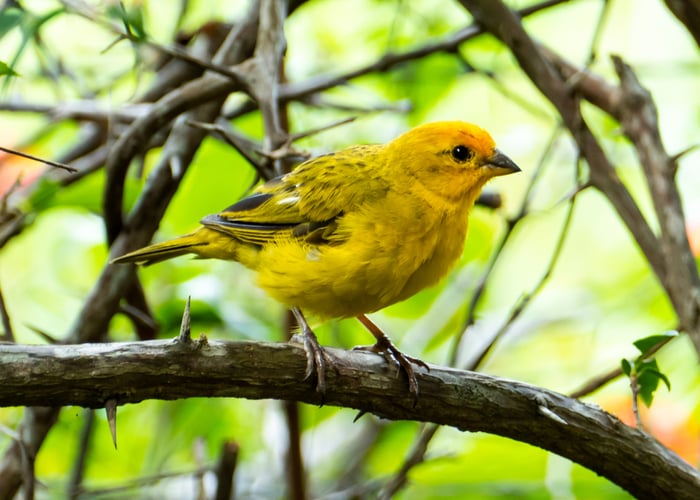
(306, 203)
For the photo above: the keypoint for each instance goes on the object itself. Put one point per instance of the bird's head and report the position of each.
(453, 158)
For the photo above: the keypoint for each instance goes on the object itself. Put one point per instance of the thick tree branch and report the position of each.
(90, 374)
(639, 118)
(632, 105)
(103, 301)
(668, 255)
(504, 24)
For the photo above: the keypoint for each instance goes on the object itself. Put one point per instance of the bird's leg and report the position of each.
(391, 353)
(315, 355)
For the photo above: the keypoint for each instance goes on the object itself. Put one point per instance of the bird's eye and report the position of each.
(462, 153)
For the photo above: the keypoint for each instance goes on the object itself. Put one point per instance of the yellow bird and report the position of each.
(351, 232)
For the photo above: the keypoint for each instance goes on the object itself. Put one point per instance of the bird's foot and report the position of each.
(391, 353)
(316, 356)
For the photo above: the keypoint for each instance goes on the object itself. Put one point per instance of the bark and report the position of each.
(89, 375)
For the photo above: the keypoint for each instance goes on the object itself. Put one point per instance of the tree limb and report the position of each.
(90, 374)
(668, 255)
(687, 12)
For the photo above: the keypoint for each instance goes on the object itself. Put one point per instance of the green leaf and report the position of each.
(648, 377)
(626, 367)
(647, 343)
(653, 370)
(6, 70)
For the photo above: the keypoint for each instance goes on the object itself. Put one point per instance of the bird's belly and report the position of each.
(348, 280)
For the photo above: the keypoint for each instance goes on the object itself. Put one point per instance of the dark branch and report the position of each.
(687, 12)
(92, 374)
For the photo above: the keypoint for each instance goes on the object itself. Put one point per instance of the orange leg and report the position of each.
(391, 353)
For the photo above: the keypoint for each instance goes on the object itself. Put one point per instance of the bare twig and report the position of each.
(536, 289)
(634, 386)
(185, 337)
(639, 118)
(199, 454)
(322, 128)
(130, 485)
(225, 471)
(76, 476)
(244, 146)
(295, 473)
(51, 163)
(415, 456)
(103, 300)
(480, 288)
(263, 73)
(497, 18)
(124, 33)
(7, 333)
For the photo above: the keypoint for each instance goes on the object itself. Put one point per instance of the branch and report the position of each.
(103, 301)
(687, 12)
(495, 16)
(632, 105)
(639, 118)
(208, 88)
(90, 374)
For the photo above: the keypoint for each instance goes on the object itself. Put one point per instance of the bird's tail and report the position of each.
(161, 251)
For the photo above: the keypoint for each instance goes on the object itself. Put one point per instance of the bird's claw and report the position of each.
(393, 355)
(316, 358)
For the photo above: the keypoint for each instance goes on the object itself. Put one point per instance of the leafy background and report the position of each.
(600, 297)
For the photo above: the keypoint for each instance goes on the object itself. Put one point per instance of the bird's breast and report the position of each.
(380, 261)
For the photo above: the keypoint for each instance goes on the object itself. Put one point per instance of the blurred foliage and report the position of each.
(601, 295)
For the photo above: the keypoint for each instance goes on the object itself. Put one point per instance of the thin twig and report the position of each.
(47, 337)
(51, 163)
(139, 483)
(415, 456)
(449, 44)
(124, 33)
(313, 131)
(503, 23)
(602, 380)
(7, 334)
(77, 472)
(480, 288)
(244, 146)
(634, 387)
(225, 471)
(525, 299)
(185, 337)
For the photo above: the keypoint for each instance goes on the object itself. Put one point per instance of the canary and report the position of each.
(351, 232)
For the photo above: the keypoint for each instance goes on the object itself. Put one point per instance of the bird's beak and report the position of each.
(500, 164)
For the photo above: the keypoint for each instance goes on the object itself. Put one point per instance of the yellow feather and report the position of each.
(354, 231)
